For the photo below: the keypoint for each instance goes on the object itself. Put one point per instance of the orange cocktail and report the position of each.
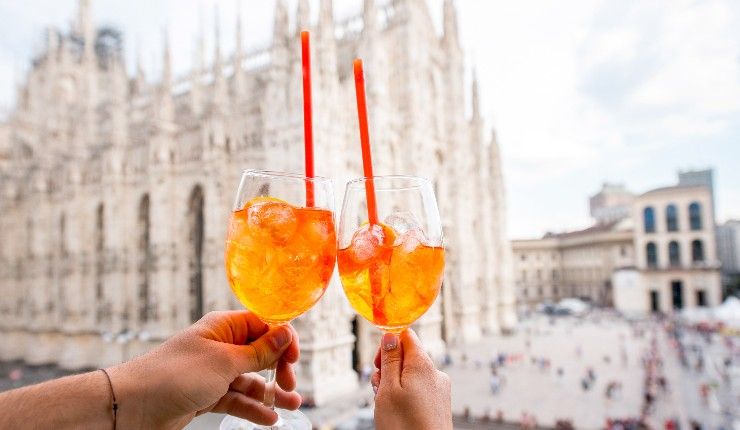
(390, 279)
(279, 257)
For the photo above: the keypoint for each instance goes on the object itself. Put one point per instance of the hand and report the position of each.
(410, 392)
(201, 370)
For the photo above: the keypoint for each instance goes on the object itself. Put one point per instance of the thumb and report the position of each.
(391, 361)
(264, 351)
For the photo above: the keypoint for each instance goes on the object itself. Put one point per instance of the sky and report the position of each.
(580, 92)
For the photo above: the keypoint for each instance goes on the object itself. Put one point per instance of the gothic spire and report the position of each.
(370, 18)
(84, 29)
(475, 97)
(238, 54)
(140, 77)
(119, 90)
(303, 21)
(326, 19)
(451, 35)
(166, 108)
(219, 87)
(280, 30)
(326, 44)
(166, 62)
(200, 43)
(196, 73)
(495, 156)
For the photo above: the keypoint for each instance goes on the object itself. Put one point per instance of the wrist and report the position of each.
(130, 391)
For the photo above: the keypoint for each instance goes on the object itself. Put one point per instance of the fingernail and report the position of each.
(390, 341)
(280, 338)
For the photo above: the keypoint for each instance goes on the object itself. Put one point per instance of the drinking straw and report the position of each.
(375, 275)
(307, 116)
(367, 162)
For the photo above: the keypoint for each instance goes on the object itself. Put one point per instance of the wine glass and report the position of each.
(392, 270)
(280, 255)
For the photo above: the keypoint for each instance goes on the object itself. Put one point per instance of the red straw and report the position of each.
(367, 162)
(375, 278)
(307, 115)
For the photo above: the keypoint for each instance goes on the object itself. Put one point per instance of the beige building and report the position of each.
(675, 253)
(655, 252)
(573, 264)
(115, 190)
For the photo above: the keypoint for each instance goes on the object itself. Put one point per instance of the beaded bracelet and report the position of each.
(114, 404)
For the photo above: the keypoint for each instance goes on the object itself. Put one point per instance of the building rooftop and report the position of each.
(671, 188)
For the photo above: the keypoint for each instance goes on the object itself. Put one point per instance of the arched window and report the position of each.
(695, 216)
(61, 296)
(648, 215)
(29, 237)
(674, 254)
(697, 251)
(196, 236)
(99, 260)
(144, 256)
(63, 235)
(671, 218)
(651, 252)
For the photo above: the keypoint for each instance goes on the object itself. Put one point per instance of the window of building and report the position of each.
(623, 251)
(695, 216)
(654, 301)
(697, 251)
(648, 215)
(554, 274)
(524, 292)
(652, 254)
(539, 274)
(539, 291)
(701, 297)
(555, 291)
(671, 218)
(523, 257)
(674, 253)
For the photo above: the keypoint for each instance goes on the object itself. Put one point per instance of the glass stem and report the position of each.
(271, 373)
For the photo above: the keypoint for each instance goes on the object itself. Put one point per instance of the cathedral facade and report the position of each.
(115, 190)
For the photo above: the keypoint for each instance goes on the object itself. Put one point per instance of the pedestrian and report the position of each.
(495, 383)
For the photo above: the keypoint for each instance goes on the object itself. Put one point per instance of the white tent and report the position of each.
(729, 312)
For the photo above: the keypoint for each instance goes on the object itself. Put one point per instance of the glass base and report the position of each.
(287, 420)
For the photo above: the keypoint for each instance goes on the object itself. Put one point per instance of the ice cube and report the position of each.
(274, 220)
(370, 242)
(402, 221)
(410, 240)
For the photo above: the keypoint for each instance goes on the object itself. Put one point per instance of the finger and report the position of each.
(375, 382)
(235, 327)
(285, 375)
(293, 353)
(413, 351)
(254, 386)
(263, 352)
(391, 361)
(238, 405)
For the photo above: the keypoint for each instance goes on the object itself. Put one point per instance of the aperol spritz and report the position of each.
(391, 271)
(280, 255)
